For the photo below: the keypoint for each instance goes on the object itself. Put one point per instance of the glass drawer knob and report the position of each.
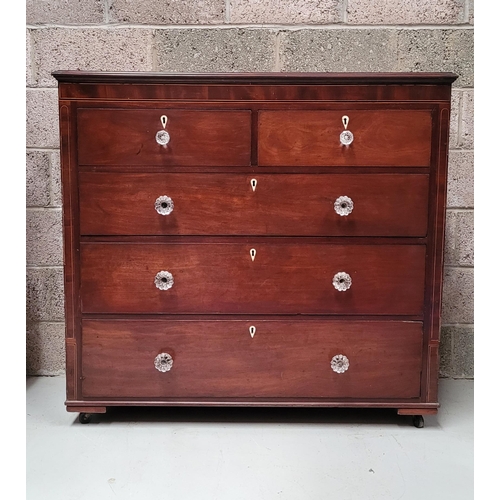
(164, 280)
(164, 362)
(339, 363)
(346, 137)
(342, 282)
(164, 205)
(162, 137)
(343, 205)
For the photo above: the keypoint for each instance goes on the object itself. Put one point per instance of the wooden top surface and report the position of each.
(255, 78)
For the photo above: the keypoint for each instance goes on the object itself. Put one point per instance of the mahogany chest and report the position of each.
(253, 239)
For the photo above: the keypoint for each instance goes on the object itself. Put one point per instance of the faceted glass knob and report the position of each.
(342, 282)
(163, 362)
(164, 205)
(339, 363)
(164, 280)
(162, 137)
(343, 205)
(346, 137)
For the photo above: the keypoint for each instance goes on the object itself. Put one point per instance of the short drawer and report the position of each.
(220, 359)
(382, 137)
(260, 204)
(197, 137)
(282, 277)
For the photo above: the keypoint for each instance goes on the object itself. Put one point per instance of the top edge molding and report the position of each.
(254, 78)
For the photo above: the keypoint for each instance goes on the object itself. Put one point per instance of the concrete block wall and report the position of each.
(241, 35)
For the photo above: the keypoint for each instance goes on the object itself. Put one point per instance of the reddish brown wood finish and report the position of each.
(417, 411)
(197, 137)
(295, 402)
(284, 359)
(269, 93)
(87, 409)
(401, 277)
(268, 87)
(71, 368)
(311, 138)
(351, 80)
(287, 278)
(69, 188)
(225, 204)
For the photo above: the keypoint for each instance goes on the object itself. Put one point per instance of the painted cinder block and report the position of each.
(30, 80)
(405, 12)
(458, 295)
(67, 12)
(459, 241)
(286, 11)
(44, 237)
(339, 50)
(464, 242)
(45, 349)
(461, 179)
(466, 140)
(42, 121)
(445, 353)
(165, 13)
(438, 50)
(456, 104)
(44, 294)
(463, 351)
(380, 50)
(457, 351)
(215, 50)
(450, 238)
(99, 49)
(55, 179)
(38, 178)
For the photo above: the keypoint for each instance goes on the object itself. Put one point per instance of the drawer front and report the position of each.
(284, 277)
(197, 137)
(227, 204)
(397, 138)
(219, 359)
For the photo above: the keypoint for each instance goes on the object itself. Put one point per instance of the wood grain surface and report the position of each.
(197, 137)
(290, 277)
(226, 204)
(282, 130)
(382, 137)
(285, 358)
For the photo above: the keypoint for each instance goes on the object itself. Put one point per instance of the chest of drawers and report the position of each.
(253, 239)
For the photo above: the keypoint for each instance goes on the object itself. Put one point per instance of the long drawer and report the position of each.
(381, 137)
(220, 359)
(252, 277)
(259, 204)
(196, 137)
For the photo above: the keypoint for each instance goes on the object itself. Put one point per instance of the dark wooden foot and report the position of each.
(86, 412)
(417, 414)
(84, 418)
(418, 421)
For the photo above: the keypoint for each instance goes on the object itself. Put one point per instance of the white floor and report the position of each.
(240, 454)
